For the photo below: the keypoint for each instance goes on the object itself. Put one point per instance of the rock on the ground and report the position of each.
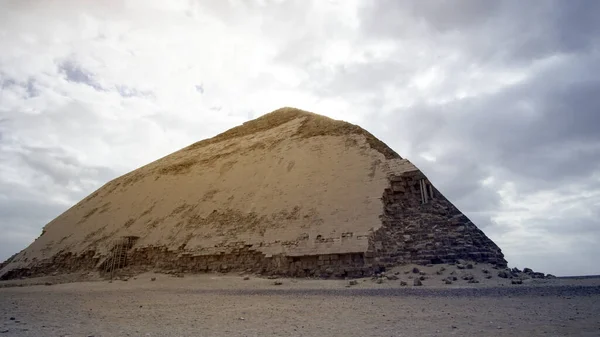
(503, 274)
(417, 282)
(468, 277)
(415, 270)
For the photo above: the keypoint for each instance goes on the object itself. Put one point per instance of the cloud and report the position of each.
(497, 103)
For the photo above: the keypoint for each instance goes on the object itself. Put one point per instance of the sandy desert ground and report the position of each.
(229, 305)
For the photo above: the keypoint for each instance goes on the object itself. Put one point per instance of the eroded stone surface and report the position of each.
(290, 193)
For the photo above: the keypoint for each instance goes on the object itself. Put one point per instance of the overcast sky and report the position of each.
(498, 103)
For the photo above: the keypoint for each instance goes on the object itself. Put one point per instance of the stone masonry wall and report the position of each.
(422, 233)
(244, 259)
(411, 232)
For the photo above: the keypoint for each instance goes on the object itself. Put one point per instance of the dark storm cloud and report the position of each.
(492, 31)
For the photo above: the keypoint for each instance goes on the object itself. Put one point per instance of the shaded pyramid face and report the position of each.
(290, 192)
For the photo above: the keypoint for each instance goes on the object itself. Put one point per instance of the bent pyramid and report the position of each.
(291, 193)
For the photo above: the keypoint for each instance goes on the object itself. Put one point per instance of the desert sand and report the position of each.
(250, 305)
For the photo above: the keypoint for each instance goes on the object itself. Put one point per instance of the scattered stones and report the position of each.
(246, 278)
(391, 277)
(550, 276)
(460, 266)
(469, 266)
(447, 281)
(503, 274)
(415, 270)
(515, 270)
(516, 281)
(527, 270)
(473, 281)
(422, 278)
(461, 261)
(352, 282)
(417, 283)
(422, 273)
(4, 331)
(468, 277)
(277, 283)
(12, 318)
(397, 273)
(153, 279)
(272, 277)
(403, 283)
(454, 278)
(488, 276)
(485, 271)
(48, 283)
(379, 281)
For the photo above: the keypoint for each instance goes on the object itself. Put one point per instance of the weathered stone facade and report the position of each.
(289, 193)
(420, 232)
(412, 231)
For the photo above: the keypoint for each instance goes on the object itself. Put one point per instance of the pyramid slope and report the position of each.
(290, 192)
